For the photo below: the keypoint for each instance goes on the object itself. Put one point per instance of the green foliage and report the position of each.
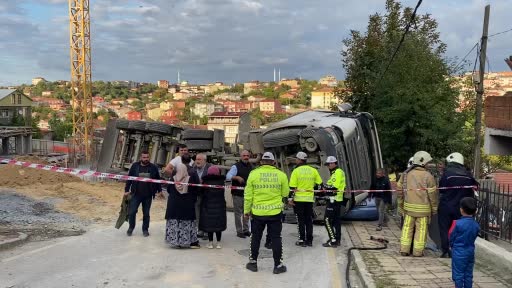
(17, 120)
(61, 129)
(36, 134)
(415, 102)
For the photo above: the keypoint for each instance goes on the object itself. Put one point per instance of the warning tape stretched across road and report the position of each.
(89, 173)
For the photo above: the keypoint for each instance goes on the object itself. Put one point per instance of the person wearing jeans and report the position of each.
(382, 198)
(238, 175)
(141, 192)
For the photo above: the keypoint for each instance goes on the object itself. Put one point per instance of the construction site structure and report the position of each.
(80, 60)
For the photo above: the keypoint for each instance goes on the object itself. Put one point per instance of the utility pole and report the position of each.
(480, 93)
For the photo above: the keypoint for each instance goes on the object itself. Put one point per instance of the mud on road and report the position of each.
(44, 204)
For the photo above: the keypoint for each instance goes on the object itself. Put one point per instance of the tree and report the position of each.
(414, 102)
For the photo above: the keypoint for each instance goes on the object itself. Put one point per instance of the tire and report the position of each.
(137, 125)
(197, 134)
(159, 128)
(122, 124)
(199, 145)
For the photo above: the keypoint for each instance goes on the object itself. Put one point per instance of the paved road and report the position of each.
(106, 257)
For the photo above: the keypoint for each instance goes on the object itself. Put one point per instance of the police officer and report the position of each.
(455, 174)
(266, 189)
(337, 184)
(417, 199)
(304, 178)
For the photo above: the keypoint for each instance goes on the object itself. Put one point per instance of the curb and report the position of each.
(22, 237)
(493, 255)
(362, 270)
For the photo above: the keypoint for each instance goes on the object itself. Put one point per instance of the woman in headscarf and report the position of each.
(181, 229)
(213, 207)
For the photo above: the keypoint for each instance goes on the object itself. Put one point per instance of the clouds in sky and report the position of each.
(218, 40)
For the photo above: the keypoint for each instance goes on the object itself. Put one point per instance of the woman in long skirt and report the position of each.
(181, 229)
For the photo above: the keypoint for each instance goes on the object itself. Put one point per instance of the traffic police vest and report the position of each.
(304, 178)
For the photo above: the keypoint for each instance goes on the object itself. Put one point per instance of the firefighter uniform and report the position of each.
(418, 198)
(266, 188)
(332, 212)
(304, 178)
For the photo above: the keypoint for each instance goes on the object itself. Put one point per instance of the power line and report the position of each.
(407, 27)
(460, 62)
(502, 32)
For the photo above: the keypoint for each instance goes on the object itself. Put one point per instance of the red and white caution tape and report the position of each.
(91, 173)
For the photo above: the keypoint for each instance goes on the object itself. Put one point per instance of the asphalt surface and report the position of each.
(106, 257)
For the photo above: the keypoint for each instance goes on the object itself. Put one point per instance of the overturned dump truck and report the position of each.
(350, 136)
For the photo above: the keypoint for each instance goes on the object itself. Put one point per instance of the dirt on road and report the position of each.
(46, 204)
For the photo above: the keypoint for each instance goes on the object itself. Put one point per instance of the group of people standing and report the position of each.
(454, 202)
(194, 212)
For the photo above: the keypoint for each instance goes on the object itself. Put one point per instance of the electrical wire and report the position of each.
(384, 243)
(460, 62)
(499, 33)
(407, 27)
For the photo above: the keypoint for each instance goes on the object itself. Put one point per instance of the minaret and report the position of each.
(274, 74)
(179, 77)
(279, 74)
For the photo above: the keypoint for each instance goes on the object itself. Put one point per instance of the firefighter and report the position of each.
(418, 201)
(265, 192)
(332, 212)
(303, 181)
(449, 199)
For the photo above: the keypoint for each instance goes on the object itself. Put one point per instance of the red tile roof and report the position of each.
(503, 179)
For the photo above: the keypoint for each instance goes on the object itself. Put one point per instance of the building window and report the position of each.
(19, 98)
(13, 99)
(4, 113)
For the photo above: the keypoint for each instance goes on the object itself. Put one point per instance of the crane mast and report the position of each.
(80, 53)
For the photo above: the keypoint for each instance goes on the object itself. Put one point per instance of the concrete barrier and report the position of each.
(495, 258)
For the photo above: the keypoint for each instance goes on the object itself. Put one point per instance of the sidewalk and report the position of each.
(389, 269)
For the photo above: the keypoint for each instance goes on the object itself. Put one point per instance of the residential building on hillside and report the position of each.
(217, 86)
(134, 115)
(173, 113)
(164, 84)
(36, 80)
(293, 83)
(270, 106)
(251, 86)
(166, 105)
(498, 121)
(228, 96)
(132, 100)
(14, 103)
(288, 95)
(180, 95)
(126, 83)
(205, 109)
(328, 80)
(323, 98)
(52, 103)
(47, 93)
(173, 89)
(230, 122)
(155, 113)
(256, 98)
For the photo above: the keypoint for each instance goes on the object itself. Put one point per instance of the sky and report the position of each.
(221, 40)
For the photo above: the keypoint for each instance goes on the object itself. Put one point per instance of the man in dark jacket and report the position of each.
(382, 199)
(201, 169)
(454, 175)
(141, 192)
(238, 175)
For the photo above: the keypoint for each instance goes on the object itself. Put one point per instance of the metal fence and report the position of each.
(495, 211)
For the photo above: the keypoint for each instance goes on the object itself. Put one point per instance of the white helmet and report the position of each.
(411, 161)
(421, 158)
(455, 157)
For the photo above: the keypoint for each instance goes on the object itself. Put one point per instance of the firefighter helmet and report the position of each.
(455, 157)
(421, 158)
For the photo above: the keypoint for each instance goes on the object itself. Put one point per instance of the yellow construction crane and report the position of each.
(80, 52)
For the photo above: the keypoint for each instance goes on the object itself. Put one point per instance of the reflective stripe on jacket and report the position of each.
(304, 178)
(266, 187)
(414, 202)
(337, 180)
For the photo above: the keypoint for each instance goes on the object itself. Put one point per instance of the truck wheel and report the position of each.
(199, 145)
(197, 134)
